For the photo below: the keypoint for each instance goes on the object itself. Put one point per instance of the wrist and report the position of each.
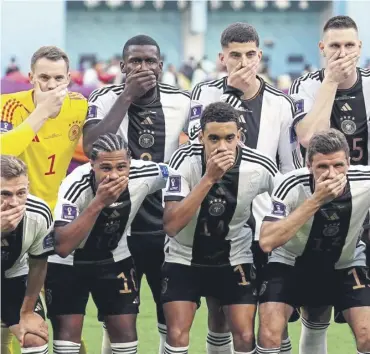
(96, 205)
(42, 112)
(207, 180)
(328, 81)
(314, 202)
(126, 97)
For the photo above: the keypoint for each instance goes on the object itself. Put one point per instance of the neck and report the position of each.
(142, 101)
(348, 83)
(252, 89)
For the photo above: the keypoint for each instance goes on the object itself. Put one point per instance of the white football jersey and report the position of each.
(107, 239)
(33, 237)
(217, 235)
(266, 122)
(332, 236)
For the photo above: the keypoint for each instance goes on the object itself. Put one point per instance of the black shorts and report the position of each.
(113, 287)
(13, 291)
(260, 260)
(230, 285)
(148, 254)
(298, 286)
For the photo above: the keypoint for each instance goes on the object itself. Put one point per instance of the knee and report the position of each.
(270, 337)
(245, 338)
(33, 341)
(177, 336)
(363, 339)
(216, 321)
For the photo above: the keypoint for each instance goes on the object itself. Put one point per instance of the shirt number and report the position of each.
(355, 147)
(51, 169)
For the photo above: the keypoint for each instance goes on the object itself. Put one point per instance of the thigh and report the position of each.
(240, 318)
(180, 283)
(179, 315)
(114, 289)
(358, 319)
(216, 318)
(317, 314)
(121, 328)
(137, 250)
(66, 290)
(234, 285)
(13, 291)
(67, 327)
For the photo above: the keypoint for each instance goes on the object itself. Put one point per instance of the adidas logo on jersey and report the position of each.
(147, 121)
(346, 108)
(114, 215)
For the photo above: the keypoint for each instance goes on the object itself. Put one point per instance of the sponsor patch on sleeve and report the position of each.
(174, 184)
(196, 112)
(92, 112)
(69, 212)
(48, 241)
(164, 171)
(299, 106)
(278, 209)
(5, 126)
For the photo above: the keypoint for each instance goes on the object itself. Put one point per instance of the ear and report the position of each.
(160, 65)
(201, 137)
(260, 54)
(30, 77)
(309, 166)
(122, 66)
(238, 133)
(360, 44)
(68, 78)
(321, 47)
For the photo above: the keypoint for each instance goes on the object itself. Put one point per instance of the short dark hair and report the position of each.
(239, 32)
(340, 22)
(51, 53)
(219, 112)
(109, 143)
(141, 39)
(327, 142)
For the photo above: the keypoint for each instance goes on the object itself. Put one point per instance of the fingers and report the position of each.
(237, 68)
(4, 205)
(323, 177)
(142, 74)
(36, 85)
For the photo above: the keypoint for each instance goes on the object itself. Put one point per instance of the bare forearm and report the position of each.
(180, 214)
(318, 118)
(35, 281)
(69, 237)
(277, 233)
(110, 123)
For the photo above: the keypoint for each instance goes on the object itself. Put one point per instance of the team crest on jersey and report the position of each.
(174, 184)
(48, 241)
(331, 230)
(92, 112)
(5, 126)
(111, 227)
(278, 209)
(69, 212)
(242, 134)
(217, 207)
(196, 112)
(164, 171)
(146, 139)
(348, 125)
(299, 106)
(74, 131)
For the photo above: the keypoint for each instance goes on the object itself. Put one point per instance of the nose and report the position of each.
(342, 53)
(113, 175)
(144, 65)
(52, 84)
(244, 61)
(332, 172)
(13, 201)
(222, 145)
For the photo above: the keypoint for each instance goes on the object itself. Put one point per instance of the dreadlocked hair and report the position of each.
(109, 143)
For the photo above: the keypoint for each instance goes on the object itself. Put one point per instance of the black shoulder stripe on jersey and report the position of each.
(117, 89)
(144, 175)
(282, 191)
(358, 172)
(40, 205)
(297, 82)
(253, 154)
(276, 92)
(198, 88)
(217, 83)
(85, 180)
(33, 209)
(181, 154)
(143, 167)
(172, 90)
(259, 162)
(147, 170)
(185, 149)
(365, 72)
(296, 162)
(78, 193)
(358, 178)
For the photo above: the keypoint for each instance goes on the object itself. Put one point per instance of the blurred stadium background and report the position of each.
(93, 32)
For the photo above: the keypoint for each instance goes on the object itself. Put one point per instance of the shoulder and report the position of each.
(38, 210)
(174, 91)
(185, 153)
(143, 169)
(106, 92)
(365, 74)
(358, 173)
(78, 102)
(17, 96)
(215, 86)
(292, 180)
(12, 102)
(76, 183)
(305, 80)
(259, 159)
(283, 98)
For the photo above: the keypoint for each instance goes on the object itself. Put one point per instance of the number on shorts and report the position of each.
(125, 290)
(357, 280)
(240, 269)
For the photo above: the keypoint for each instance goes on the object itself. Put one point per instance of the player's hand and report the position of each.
(10, 218)
(110, 190)
(52, 100)
(241, 78)
(328, 189)
(32, 323)
(218, 163)
(139, 82)
(339, 69)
